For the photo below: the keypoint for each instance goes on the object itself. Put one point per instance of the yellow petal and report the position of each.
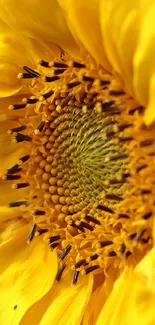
(43, 22)
(132, 298)
(83, 17)
(27, 274)
(66, 303)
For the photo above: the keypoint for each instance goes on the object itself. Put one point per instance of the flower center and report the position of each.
(81, 136)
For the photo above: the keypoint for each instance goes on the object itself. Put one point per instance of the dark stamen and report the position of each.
(105, 82)
(44, 64)
(22, 137)
(140, 109)
(77, 227)
(59, 71)
(31, 100)
(116, 92)
(65, 252)
(39, 212)
(42, 231)
(75, 277)
(26, 76)
(117, 157)
(54, 245)
(133, 235)
(104, 208)
(30, 71)
(92, 219)
(91, 268)
(40, 126)
(48, 94)
(139, 234)
(17, 204)
(138, 169)
(107, 104)
(31, 233)
(12, 177)
(14, 169)
(128, 254)
(111, 254)
(147, 215)
(59, 65)
(60, 271)
(17, 106)
(122, 248)
(105, 243)
(66, 100)
(51, 79)
(73, 84)
(113, 197)
(88, 79)
(78, 65)
(94, 257)
(80, 263)
(24, 158)
(52, 239)
(125, 139)
(124, 126)
(123, 215)
(21, 185)
(86, 225)
(146, 143)
(20, 128)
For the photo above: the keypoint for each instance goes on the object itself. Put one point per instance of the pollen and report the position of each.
(86, 174)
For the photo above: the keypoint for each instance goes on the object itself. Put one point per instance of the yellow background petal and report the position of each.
(27, 273)
(133, 296)
(40, 22)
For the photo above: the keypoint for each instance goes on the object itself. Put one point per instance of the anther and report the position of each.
(92, 219)
(66, 100)
(60, 272)
(105, 243)
(123, 216)
(65, 252)
(146, 143)
(17, 204)
(39, 212)
(14, 169)
(80, 263)
(52, 239)
(40, 127)
(54, 245)
(88, 79)
(73, 84)
(91, 269)
(20, 185)
(11, 177)
(112, 253)
(22, 137)
(139, 235)
(116, 93)
(140, 109)
(17, 106)
(128, 254)
(30, 71)
(122, 248)
(31, 233)
(30, 100)
(138, 169)
(46, 95)
(56, 72)
(94, 257)
(58, 65)
(86, 225)
(113, 197)
(147, 215)
(77, 227)
(18, 129)
(126, 139)
(41, 232)
(25, 76)
(104, 208)
(51, 79)
(24, 159)
(75, 277)
(116, 157)
(44, 64)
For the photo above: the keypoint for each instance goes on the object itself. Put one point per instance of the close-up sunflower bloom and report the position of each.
(77, 162)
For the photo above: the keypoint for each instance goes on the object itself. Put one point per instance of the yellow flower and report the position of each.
(77, 162)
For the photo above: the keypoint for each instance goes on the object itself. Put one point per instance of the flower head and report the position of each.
(77, 162)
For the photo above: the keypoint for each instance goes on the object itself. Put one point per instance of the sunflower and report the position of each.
(77, 162)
